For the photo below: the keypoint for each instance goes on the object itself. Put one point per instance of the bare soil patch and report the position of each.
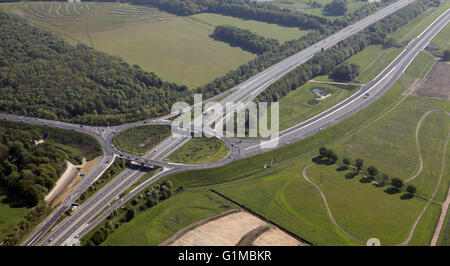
(437, 85)
(235, 228)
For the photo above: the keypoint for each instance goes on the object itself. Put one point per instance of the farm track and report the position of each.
(406, 242)
(324, 198)
(416, 222)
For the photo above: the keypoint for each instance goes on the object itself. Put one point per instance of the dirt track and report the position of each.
(437, 84)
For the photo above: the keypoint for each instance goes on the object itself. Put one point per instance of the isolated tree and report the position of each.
(131, 212)
(346, 161)
(389, 42)
(411, 189)
(336, 8)
(345, 72)
(446, 55)
(99, 236)
(359, 163)
(397, 182)
(332, 156)
(373, 171)
(323, 151)
(151, 202)
(385, 178)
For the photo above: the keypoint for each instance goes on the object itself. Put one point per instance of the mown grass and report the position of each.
(372, 60)
(389, 145)
(267, 30)
(200, 150)
(160, 222)
(287, 199)
(442, 40)
(296, 106)
(425, 228)
(363, 209)
(417, 25)
(140, 139)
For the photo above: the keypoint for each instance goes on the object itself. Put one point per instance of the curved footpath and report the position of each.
(328, 208)
(445, 205)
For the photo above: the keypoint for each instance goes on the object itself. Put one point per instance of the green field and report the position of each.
(160, 222)
(11, 214)
(384, 138)
(173, 47)
(372, 60)
(282, 34)
(441, 40)
(140, 139)
(352, 5)
(296, 106)
(417, 25)
(200, 150)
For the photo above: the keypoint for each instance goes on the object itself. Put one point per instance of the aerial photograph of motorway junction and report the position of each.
(255, 123)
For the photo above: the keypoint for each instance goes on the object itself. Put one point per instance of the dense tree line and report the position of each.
(289, 48)
(27, 170)
(149, 198)
(41, 75)
(245, 39)
(324, 62)
(246, 9)
(82, 145)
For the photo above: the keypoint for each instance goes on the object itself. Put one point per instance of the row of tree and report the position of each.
(150, 198)
(373, 172)
(245, 39)
(289, 48)
(246, 9)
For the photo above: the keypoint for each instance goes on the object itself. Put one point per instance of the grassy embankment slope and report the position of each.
(200, 150)
(140, 139)
(74, 144)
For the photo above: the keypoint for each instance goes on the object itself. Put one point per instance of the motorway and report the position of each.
(78, 222)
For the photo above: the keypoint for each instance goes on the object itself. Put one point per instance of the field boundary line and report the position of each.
(290, 233)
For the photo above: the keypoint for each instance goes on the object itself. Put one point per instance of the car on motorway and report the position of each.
(366, 95)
